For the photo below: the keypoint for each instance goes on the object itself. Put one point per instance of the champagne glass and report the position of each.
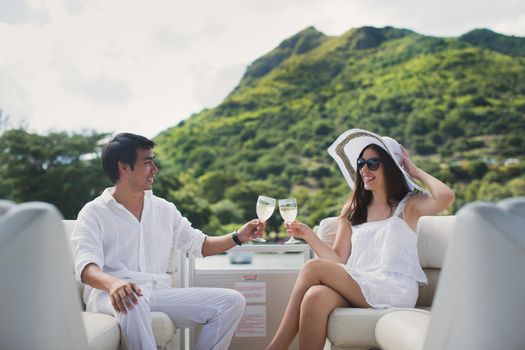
(265, 208)
(288, 210)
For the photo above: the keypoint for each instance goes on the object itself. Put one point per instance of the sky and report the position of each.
(142, 66)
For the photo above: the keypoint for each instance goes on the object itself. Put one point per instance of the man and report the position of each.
(122, 243)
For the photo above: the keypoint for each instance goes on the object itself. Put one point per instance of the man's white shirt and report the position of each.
(107, 234)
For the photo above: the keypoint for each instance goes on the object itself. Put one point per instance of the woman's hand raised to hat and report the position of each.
(407, 164)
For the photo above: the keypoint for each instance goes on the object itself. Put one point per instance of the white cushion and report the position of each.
(327, 229)
(39, 308)
(5, 206)
(102, 331)
(353, 326)
(163, 328)
(479, 302)
(402, 330)
(434, 233)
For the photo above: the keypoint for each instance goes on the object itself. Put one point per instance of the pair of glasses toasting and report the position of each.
(287, 208)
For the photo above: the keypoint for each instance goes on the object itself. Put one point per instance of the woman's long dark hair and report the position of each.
(395, 182)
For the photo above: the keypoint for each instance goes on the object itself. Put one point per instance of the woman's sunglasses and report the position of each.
(372, 163)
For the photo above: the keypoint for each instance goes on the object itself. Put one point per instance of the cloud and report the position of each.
(23, 12)
(166, 38)
(220, 81)
(511, 26)
(74, 7)
(145, 65)
(15, 94)
(96, 89)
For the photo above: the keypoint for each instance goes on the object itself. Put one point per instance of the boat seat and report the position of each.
(479, 302)
(40, 308)
(103, 330)
(478, 258)
(355, 328)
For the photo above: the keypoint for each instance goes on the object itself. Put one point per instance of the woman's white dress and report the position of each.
(384, 261)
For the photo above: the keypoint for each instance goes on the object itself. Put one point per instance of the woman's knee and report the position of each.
(313, 300)
(313, 265)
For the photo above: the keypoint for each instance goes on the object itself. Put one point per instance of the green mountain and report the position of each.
(484, 38)
(458, 104)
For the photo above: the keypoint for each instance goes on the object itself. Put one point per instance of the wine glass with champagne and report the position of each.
(288, 210)
(265, 208)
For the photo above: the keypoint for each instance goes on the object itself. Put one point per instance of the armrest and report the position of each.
(402, 330)
(327, 229)
(353, 327)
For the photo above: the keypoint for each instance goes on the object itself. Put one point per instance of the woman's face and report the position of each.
(372, 179)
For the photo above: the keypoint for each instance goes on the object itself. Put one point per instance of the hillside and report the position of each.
(458, 104)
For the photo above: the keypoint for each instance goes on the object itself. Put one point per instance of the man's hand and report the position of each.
(252, 230)
(216, 245)
(123, 294)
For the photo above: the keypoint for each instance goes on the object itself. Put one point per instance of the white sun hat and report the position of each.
(346, 149)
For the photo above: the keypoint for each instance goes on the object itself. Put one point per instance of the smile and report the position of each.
(367, 179)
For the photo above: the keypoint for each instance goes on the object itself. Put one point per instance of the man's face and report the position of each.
(141, 177)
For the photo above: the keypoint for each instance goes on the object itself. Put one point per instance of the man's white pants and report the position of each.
(219, 310)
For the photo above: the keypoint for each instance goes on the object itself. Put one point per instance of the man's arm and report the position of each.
(120, 291)
(216, 245)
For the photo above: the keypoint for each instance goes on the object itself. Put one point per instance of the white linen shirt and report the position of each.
(108, 235)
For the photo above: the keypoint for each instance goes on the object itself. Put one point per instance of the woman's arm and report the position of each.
(440, 198)
(339, 252)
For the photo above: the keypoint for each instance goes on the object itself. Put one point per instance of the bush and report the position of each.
(227, 212)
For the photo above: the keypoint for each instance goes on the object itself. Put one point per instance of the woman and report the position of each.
(373, 261)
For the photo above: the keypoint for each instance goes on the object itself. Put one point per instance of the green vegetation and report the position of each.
(58, 168)
(457, 104)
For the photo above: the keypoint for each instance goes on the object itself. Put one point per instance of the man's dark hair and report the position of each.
(122, 148)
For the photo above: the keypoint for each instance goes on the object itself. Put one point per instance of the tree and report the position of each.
(192, 206)
(59, 168)
(227, 212)
(517, 186)
(493, 191)
(4, 121)
(214, 184)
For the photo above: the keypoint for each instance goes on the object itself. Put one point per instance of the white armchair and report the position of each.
(355, 328)
(103, 330)
(480, 301)
(5, 206)
(39, 308)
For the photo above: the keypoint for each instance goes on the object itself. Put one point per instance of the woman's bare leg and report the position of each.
(318, 303)
(315, 272)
